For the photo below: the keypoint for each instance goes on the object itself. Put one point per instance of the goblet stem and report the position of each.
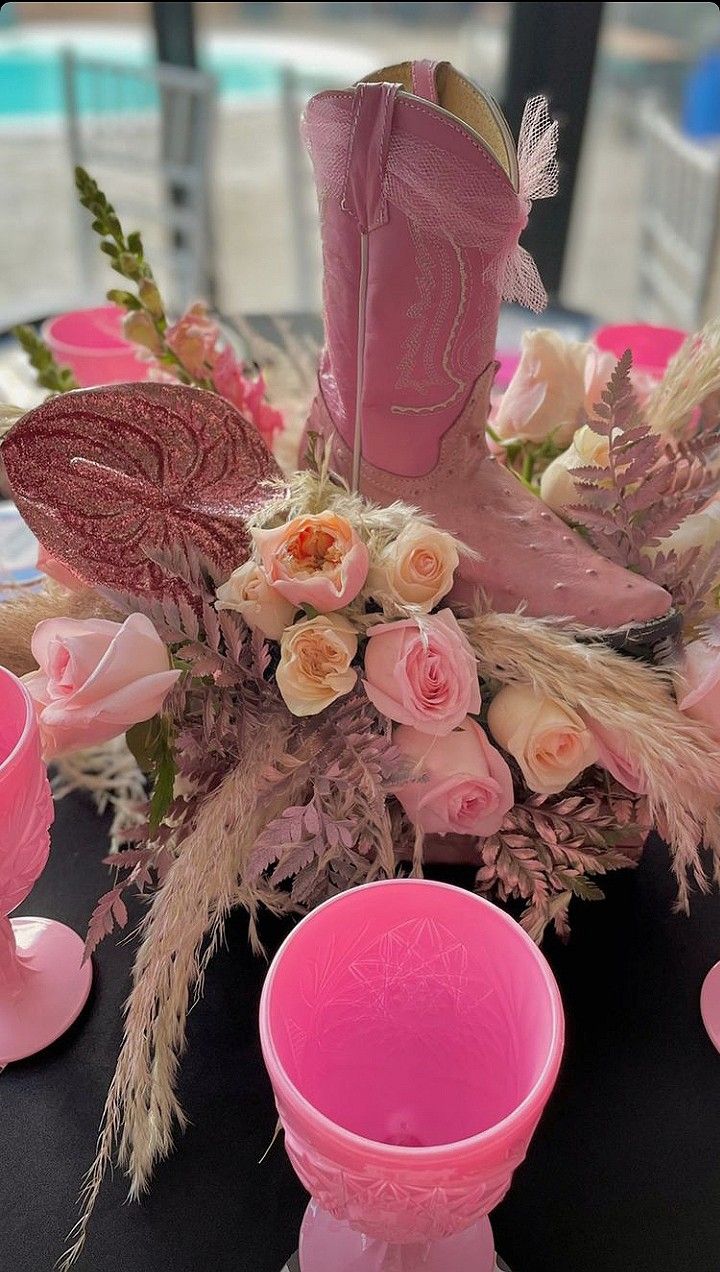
(13, 969)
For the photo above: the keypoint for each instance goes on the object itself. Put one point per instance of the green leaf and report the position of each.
(163, 789)
(145, 741)
(49, 373)
(151, 744)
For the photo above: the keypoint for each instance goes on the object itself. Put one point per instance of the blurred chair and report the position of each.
(295, 90)
(679, 217)
(145, 134)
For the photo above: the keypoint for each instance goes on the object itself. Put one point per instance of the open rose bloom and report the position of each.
(96, 679)
(314, 560)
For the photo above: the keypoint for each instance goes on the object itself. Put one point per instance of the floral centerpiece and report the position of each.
(310, 710)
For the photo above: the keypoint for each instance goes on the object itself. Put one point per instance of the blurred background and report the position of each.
(188, 115)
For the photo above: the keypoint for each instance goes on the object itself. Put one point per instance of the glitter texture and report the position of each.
(104, 475)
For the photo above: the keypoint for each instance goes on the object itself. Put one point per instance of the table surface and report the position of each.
(623, 1174)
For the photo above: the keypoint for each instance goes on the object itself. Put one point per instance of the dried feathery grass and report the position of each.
(315, 490)
(179, 933)
(289, 364)
(110, 774)
(20, 616)
(691, 377)
(679, 759)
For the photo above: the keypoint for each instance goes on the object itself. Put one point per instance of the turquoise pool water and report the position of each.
(31, 84)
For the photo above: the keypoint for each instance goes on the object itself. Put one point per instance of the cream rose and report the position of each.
(557, 485)
(547, 392)
(248, 592)
(550, 742)
(416, 569)
(314, 668)
(702, 530)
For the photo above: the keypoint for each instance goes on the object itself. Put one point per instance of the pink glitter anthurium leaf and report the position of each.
(108, 478)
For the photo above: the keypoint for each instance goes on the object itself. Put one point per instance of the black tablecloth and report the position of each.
(622, 1176)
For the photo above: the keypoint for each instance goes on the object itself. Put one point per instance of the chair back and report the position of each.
(680, 209)
(145, 134)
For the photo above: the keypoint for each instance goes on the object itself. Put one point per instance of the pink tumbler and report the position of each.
(413, 1033)
(92, 344)
(43, 981)
(651, 347)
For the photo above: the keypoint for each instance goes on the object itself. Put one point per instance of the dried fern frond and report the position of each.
(648, 485)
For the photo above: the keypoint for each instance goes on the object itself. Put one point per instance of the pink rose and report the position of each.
(96, 679)
(193, 339)
(57, 571)
(314, 560)
(424, 676)
(697, 684)
(599, 366)
(546, 394)
(468, 789)
(614, 755)
(248, 592)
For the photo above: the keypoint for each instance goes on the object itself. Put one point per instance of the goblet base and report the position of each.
(293, 1265)
(327, 1243)
(54, 987)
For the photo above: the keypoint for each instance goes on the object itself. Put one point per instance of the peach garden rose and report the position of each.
(96, 679)
(315, 663)
(422, 675)
(248, 592)
(550, 742)
(416, 569)
(467, 788)
(316, 560)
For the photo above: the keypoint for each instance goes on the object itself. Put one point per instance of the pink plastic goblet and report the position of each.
(413, 1034)
(91, 342)
(44, 983)
(651, 347)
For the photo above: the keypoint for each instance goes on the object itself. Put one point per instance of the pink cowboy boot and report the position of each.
(422, 203)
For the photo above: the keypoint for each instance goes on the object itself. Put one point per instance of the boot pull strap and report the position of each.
(363, 195)
(423, 80)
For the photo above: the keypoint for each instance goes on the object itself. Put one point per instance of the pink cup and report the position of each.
(413, 1033)
(92, 344)
(43, 981)
(651, 347)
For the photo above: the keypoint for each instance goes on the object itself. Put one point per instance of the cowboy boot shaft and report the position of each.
(418, 220)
